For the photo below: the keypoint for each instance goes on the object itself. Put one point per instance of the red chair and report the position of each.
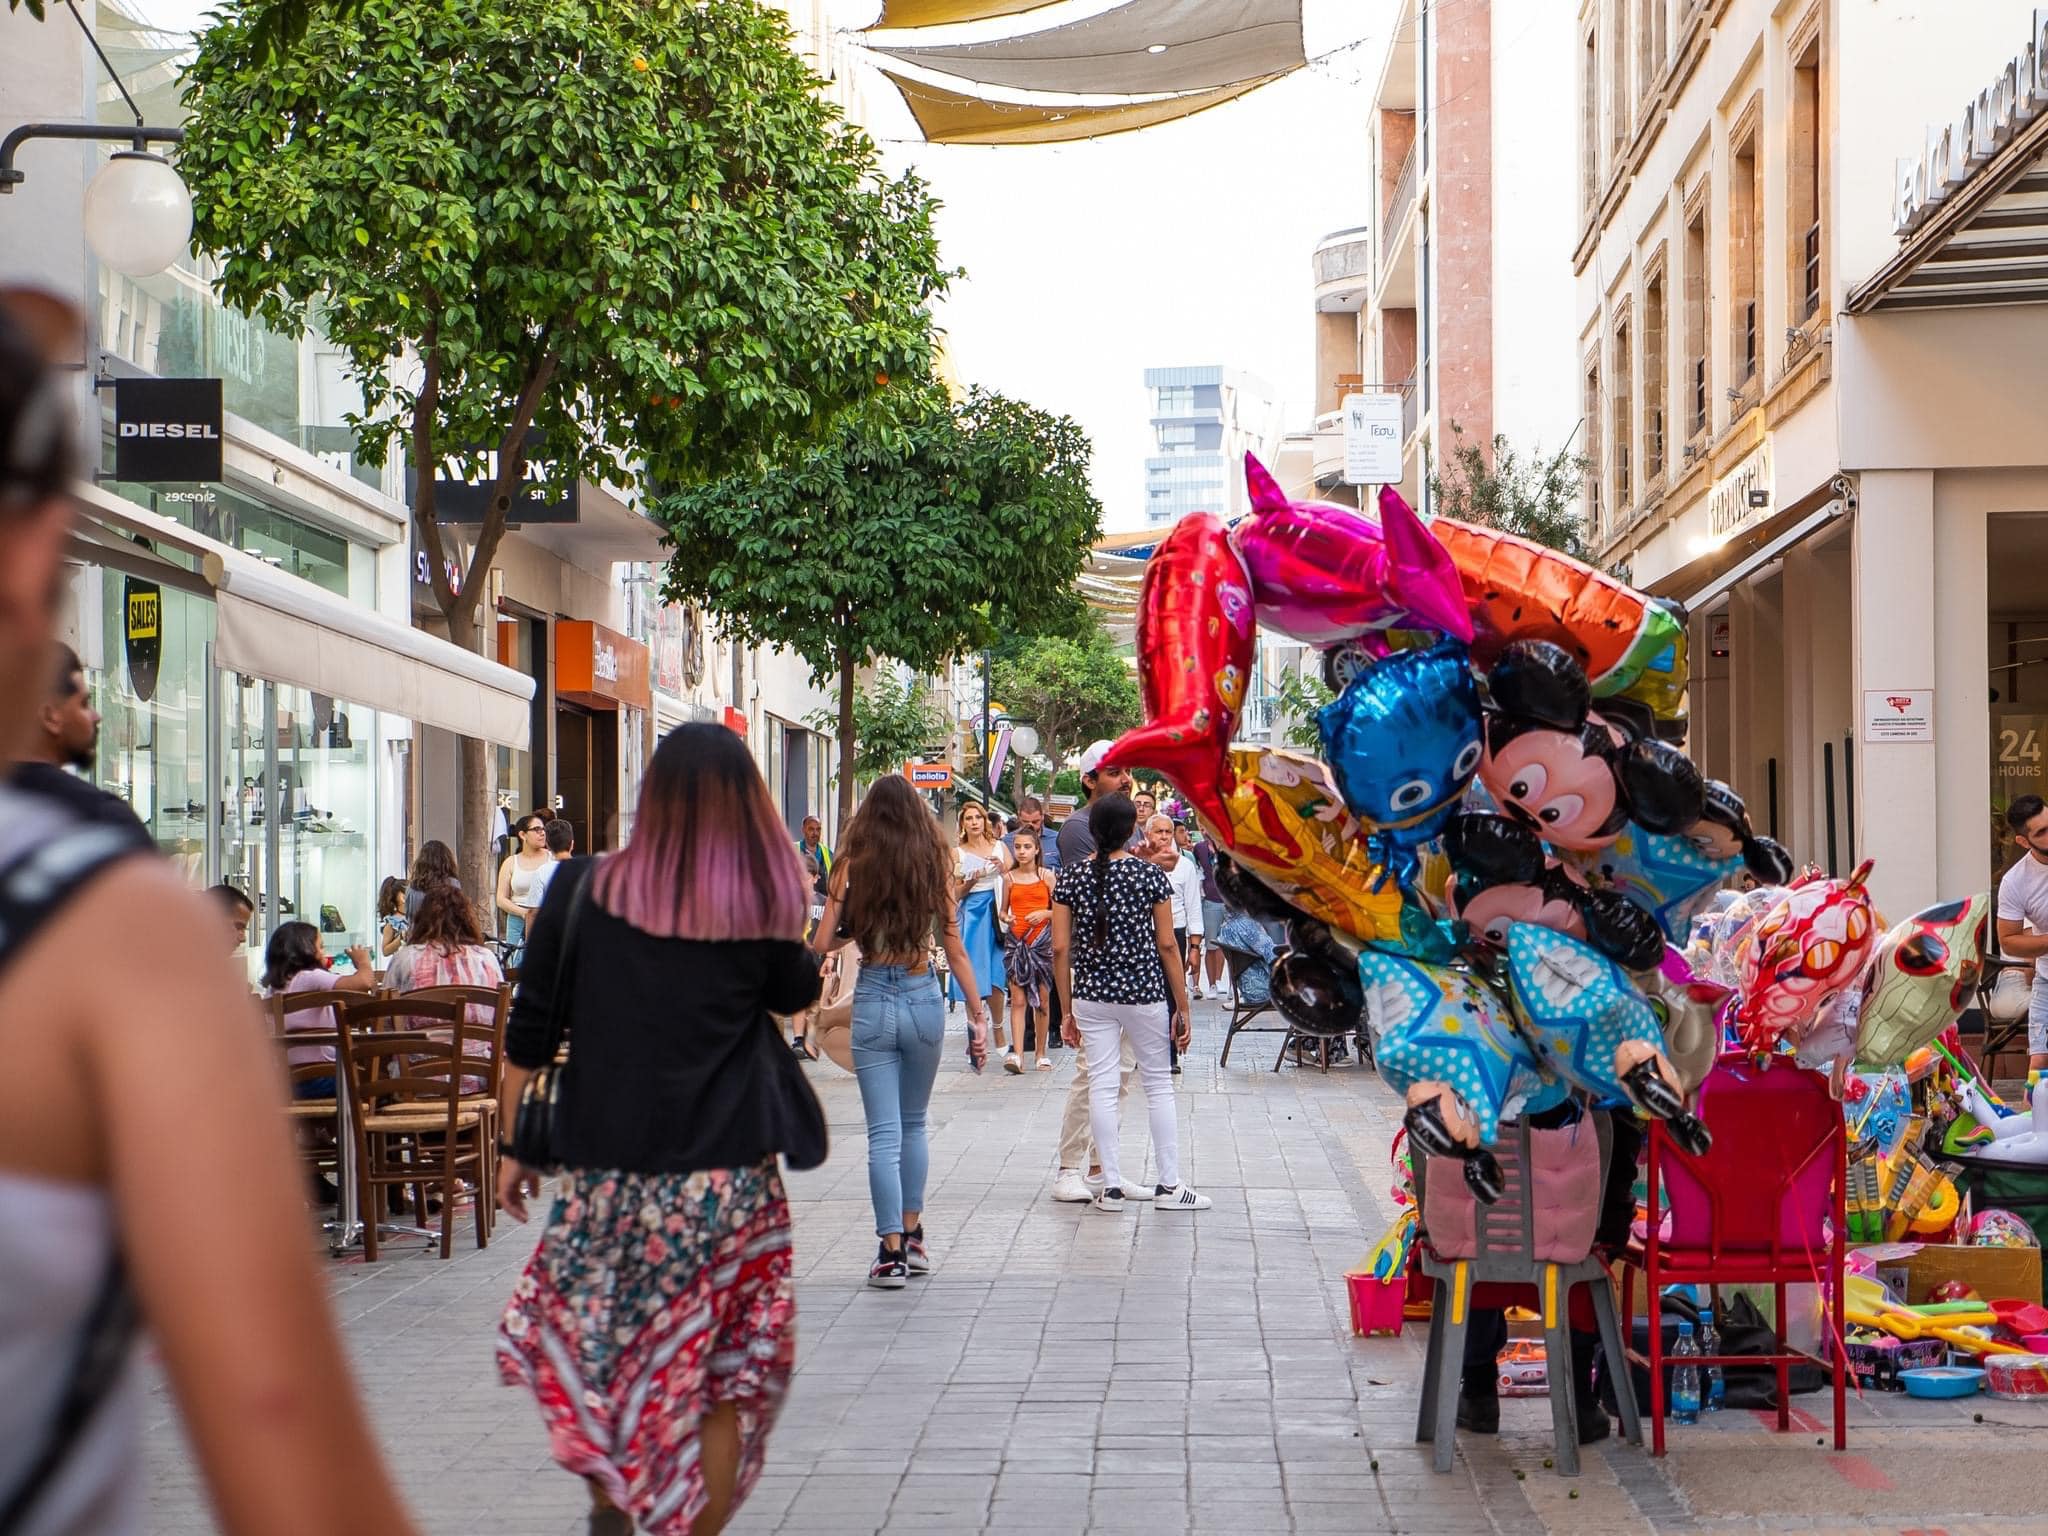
(1754, 1211)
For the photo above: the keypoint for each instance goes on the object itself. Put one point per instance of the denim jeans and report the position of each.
(899, 1026)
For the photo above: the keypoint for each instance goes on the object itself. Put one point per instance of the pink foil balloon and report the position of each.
(1323, 573)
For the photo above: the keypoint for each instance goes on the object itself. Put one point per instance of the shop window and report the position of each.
(1745, 268)
(1697, 374)
(1621, 405)
(1595, 517)
(1804, 187)
(1655, 364)
(1620, 100)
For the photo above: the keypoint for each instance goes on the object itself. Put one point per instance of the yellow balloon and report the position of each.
(1289, 826)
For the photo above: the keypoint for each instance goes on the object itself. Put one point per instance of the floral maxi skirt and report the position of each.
(652, 1300)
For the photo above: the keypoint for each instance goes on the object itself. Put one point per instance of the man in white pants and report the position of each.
(1099, 780)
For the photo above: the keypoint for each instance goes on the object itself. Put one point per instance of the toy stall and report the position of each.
(1575, 959)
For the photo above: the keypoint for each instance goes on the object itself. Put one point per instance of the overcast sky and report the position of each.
(1088, 263)
(1185, 243)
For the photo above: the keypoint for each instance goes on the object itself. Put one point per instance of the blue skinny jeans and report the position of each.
(899, 1026)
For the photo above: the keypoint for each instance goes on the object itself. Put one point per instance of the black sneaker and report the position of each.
(1480, 1415)
(888, 1272)
(915, 1259)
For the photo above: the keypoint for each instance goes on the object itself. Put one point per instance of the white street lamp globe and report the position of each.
(1025, 740)
(138, 213)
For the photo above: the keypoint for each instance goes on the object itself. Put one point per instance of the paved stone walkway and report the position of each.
(1069, 1372)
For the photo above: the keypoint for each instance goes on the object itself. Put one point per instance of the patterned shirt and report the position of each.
(1121, 964)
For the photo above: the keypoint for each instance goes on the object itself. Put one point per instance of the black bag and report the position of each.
(796, 1119)
(536, 1124)
(1743, 1331)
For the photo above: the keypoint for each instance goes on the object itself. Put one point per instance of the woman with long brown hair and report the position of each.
(655, 1323)
(892, 882)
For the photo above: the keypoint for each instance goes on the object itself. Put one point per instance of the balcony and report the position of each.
(1326, 456)
(1402, 203)
(1411, 409)
(1343, 270)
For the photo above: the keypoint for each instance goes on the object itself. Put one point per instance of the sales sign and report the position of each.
(142, 634)
(1372, 439)
(167, 429)
(928, 775)
(1898, 714)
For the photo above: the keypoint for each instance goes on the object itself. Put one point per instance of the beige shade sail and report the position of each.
(940, 13)
(951, 117)
(1142, 48)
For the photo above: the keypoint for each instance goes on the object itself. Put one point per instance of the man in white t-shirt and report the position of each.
(2023, 918)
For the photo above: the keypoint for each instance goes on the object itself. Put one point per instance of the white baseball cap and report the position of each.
(1093, 757)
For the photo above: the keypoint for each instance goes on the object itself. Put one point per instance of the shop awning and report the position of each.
(1698, 583)
(939, 13)
(1986, 242)
(271, 624)
(1143, 47)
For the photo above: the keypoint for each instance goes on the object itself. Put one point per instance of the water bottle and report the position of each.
(1685, 1378)
(1710, 1344)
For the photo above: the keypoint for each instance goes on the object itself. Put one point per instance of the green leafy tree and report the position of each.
(622, 242)
(1074, 691)
(893, 722)
(1530, 495)
(1302, 693)
(920, 528)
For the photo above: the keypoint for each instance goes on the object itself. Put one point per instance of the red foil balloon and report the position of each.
(1322, 573)
(1194, 662)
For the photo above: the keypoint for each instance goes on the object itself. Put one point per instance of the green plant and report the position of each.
(1533, 496)
(919, 528)
(1302, 693)
(892, 723)
(1073, 691)
(623, 243)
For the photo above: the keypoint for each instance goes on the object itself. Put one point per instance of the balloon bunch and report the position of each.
(1503, 711)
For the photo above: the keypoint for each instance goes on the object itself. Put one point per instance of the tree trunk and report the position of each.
(475, 850)
(846, 742)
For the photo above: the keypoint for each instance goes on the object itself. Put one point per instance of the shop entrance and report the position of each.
(587, 774)
(2016, 545)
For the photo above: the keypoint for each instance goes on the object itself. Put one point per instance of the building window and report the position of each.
(1589, 125)
(1696, 295)
(1654, 366)
(1621, 102)
(1745, 269)
(1594, 518)
(1805, 184)
(1650, 39)
(1622, 404)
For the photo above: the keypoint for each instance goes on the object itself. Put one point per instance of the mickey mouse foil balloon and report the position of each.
(1576, 776)
(1323, 573)
(1503, 876)
(1194, 637)
(1516, 588)
(1403, 742)
(1809, 946)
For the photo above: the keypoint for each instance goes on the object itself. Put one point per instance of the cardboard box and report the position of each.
(1995, 1273)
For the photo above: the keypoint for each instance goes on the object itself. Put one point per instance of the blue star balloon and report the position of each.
(1587, 1023)
(1436, 1024)
(1668, 875)
(1402, 742)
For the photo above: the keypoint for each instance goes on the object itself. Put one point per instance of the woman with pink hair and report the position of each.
(655, 1324)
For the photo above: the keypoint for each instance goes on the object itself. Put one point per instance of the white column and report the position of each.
(1962, 654)
(1800, 759)
(1898, 784)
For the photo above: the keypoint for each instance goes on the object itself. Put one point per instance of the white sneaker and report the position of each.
(1071, 1187)
(1110, 1200)
(1131, 1191)
(1182, 1198)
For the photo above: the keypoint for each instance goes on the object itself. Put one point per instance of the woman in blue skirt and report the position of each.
(979, 864)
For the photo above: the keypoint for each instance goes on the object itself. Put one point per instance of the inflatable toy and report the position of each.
(1502, 875)
(1921, 977)
(1590, 1026)
(1194, 641)
(1575, 774)
(1516, 588)
(1402, 743)
(1812, 944)
(1689, 1009)
(1324, 573)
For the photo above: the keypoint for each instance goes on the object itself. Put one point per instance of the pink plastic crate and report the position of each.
(1376, 1305)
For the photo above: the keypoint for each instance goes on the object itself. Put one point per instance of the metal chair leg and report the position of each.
(1557, 1352)
(1613, 1345)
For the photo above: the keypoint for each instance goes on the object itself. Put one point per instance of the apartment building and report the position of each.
(1810, 358)
(1204, 420)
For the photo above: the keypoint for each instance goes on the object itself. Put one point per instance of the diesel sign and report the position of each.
(167, 429)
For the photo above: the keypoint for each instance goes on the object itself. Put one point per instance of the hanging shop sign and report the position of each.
(463, 487)
(736, 721)
(1742, 497)
(600, 667)
(142, 634)
(167, 429)
(1898, 714)
(2016, 95)
(929, 775)
(1372, 439)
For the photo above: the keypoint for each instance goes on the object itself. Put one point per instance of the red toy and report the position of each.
(1813, 944)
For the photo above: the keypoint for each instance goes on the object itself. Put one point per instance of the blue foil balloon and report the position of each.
(1578, 1008)
(1668, 875)
(1402, 742)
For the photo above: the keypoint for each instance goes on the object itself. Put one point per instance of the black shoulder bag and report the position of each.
(796, 1119)
(536, 1126)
